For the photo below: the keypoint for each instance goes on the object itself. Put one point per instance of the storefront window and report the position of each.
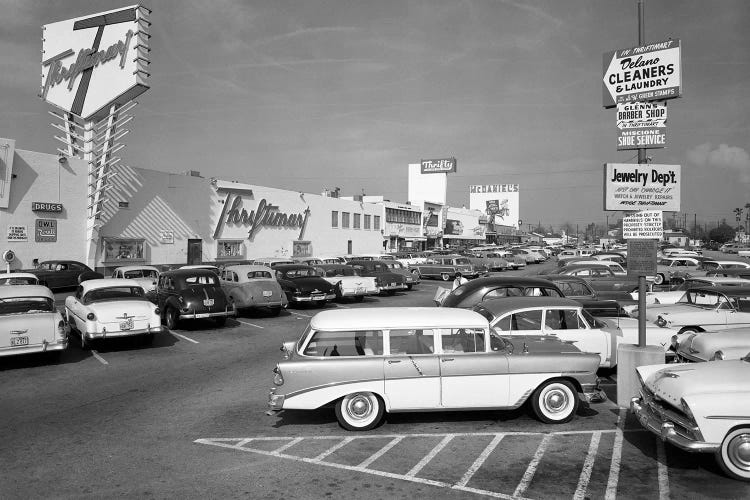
(230, 249)
(376, 222)
(345, 219)
(118, 250)
(357, 220)
(334, 218)
(367, 221)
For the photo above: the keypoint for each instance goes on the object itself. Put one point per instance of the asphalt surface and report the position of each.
(186, 418)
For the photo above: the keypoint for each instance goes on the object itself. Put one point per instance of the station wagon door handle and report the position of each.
(447, 359)
(391, 361)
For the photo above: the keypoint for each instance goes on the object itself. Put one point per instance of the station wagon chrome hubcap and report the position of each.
(739, 451)
(556, 401)
(359, 407)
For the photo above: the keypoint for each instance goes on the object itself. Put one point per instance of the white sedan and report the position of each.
(146, 276)
(29, 321)
(107, 308)
(18, 279)
(672, 296)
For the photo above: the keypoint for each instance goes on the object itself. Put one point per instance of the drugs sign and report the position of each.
(648, 73)
(641, 125)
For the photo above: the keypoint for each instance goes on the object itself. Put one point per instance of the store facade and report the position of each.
(403, 227)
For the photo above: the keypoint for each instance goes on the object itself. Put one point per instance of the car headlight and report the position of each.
(278, 378)
(718, 356)
(91, 317)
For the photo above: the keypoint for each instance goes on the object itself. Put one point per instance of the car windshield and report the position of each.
(114, 293)
(24, 280)
(26, 305)
(703, 299)
(142, 273)
(202, 280)
(299, 273)
(595, 323)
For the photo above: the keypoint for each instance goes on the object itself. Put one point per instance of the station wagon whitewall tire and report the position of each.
(360, 411)
(658, 279)
(555, 401)
(734, 454)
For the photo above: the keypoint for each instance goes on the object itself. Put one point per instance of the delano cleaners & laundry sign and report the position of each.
(647, 73)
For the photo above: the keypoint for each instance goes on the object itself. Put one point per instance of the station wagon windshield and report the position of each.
(141, 273)
(25, 305)
(114, 293)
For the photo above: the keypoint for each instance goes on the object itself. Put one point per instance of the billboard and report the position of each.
(93, 62)
(464, 224)
(442, 166)
(641, 125)
(648, 73)
(499, 201)
(646, 186)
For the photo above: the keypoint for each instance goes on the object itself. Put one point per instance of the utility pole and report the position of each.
(641, 160)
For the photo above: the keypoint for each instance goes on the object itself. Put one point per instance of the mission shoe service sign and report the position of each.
(648, 73)
(641, 125)
(642, 187)
(93, 62)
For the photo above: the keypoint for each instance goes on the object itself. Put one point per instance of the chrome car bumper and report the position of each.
(310, 298)
(193, 315)
(275, 402)
(592, 393)
(44, 347)
(666, 429)
(122, 333)
(386, 288)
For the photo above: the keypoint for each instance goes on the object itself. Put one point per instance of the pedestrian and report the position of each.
(460, 280)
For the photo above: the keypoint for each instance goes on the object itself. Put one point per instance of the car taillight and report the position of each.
(157, 311)
(61, 328)
(278, 378)
(91, 317)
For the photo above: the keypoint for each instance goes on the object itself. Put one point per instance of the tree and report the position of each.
(722, 234)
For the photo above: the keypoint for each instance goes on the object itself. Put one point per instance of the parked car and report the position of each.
(475, 291)
(107, 308)
(494, 261)
(567, 320)
(700, 309)
(18, 279)
(272, 261)
(310, 261)
(715, 265)
(699, 407)
(714, 346)
(675, 294)
(411, 276)
(530, 256)
(730, 273)
(146, 276)
(189, 294)
(208, 267)
(604, 281)
(514, 261)
(348, 281)
(29, 321)
(59, 274)
(594, 265)
(386, 280)
(445, 267)
(437, 360)
(303, 285)
(410, 258)
(573, 287)
(671, 267)
(252, 287)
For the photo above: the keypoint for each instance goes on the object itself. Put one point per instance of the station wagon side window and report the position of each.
(505, 291)
(526, 320)
(413, 341)
(563, 319)
(345, 343)
(455, 340)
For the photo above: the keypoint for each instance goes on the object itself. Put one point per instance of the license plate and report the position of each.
(267, 293)
(360, 289)
(318, 297)
(208, 302)
(126, 325)
(17, 341)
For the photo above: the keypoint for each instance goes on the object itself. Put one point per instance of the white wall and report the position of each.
(426, 187)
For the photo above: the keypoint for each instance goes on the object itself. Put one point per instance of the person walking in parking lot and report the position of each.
(460, 280)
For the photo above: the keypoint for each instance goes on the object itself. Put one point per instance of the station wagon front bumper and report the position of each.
(592, 393)
(275, 402)
(670, 426)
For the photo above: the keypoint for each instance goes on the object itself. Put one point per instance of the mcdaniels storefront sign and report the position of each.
(264, 215)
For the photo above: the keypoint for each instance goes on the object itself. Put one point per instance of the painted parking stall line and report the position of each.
(183, 337)
(99, 358)
(250, 324)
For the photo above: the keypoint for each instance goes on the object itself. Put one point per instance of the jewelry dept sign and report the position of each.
(647, 73)
(91, 63)
(264, 215)
(642, 187)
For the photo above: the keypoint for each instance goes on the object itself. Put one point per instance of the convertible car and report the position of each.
(107, 308)
(366, 362)
(253, 287)
(29, 321)
(18, 279)
(700, 407)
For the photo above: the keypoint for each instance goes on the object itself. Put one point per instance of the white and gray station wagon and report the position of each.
(369, 361)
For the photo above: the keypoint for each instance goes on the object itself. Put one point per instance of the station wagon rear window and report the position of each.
(24, 305)
(259, 274)
(345, 343)
(141, 273)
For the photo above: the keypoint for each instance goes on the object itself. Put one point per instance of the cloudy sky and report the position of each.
(315, 94)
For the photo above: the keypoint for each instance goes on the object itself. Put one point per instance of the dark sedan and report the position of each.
(475, 291)
(58, 274)
(303, 285)
(185, 294)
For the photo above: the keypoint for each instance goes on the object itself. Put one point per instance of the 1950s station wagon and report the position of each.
(368, 361)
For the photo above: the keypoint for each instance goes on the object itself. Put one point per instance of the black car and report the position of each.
(303, 285)
(58, 274)
(475, 291)
(185, 294)
(573, 287)
(386, 280)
